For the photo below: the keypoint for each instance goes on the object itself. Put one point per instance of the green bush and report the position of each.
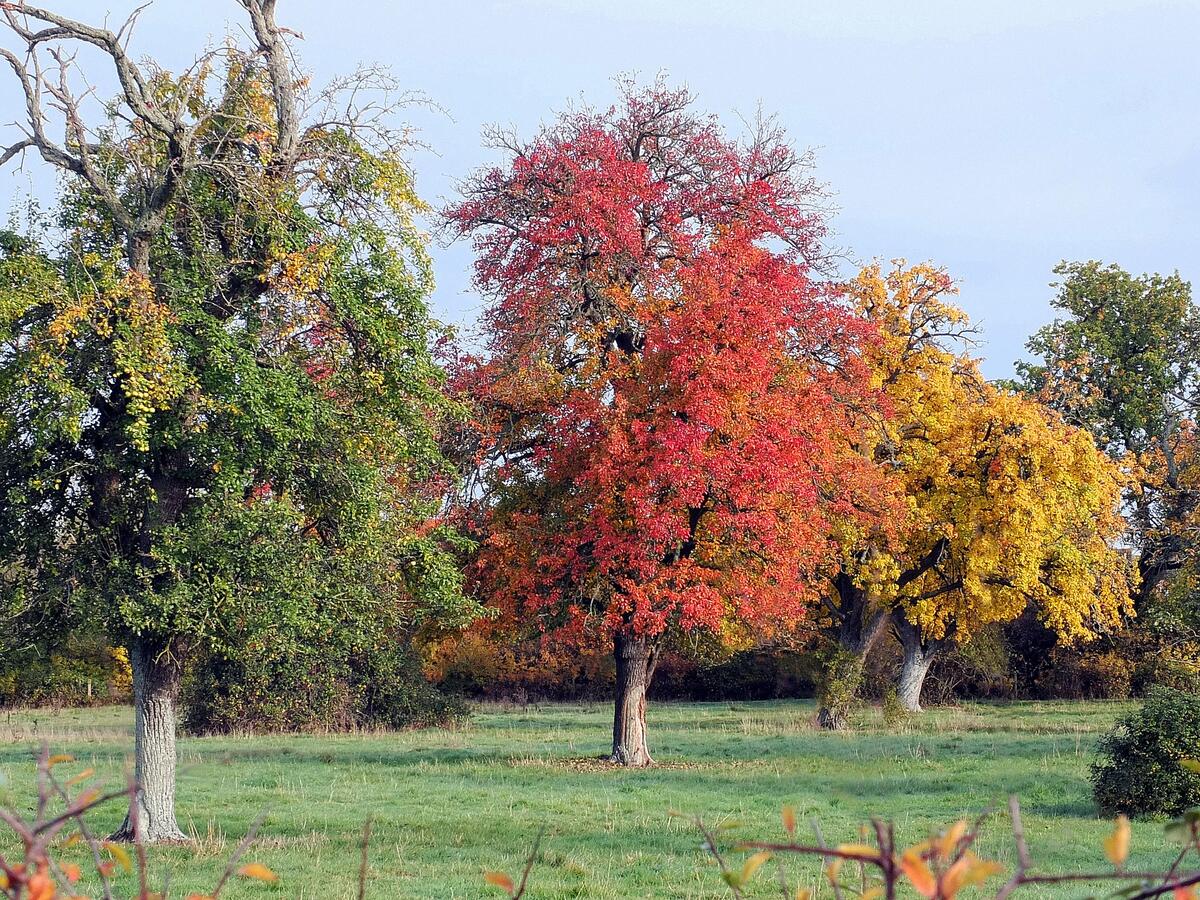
(1139, 772)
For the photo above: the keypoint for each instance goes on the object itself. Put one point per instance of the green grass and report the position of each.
(448, 805)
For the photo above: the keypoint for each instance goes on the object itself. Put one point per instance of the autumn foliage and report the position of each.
(666, 394)
(1006, 506)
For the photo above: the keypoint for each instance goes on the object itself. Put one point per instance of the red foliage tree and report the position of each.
(665, 394)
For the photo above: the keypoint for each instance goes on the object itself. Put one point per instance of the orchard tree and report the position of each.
(218, 408)
(665, 393)
(1124, 363)
(1006, 505)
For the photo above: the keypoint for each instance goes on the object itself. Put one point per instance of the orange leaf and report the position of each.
(832, 869)
(919, 874)
(948, 841)
(500, 880)
(40, 887)
(257, 871)
(87, 798)
(71, 871)
(1116, 845)
(789, 820)
(59, 758)
(82, 776)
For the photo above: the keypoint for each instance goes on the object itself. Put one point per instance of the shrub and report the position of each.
(77, 670)
(1086, 674)
(315, 688)
(839, 691)
(894, 713)
(1173, 667)
(1139, 771)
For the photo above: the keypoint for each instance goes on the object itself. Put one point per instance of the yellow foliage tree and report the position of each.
(1007, 506)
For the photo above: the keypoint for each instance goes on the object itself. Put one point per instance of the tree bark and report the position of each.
(636, 657)
(918, 657)
(151, 816)
(858, 629)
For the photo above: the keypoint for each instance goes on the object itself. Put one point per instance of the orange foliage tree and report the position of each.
(665, 397)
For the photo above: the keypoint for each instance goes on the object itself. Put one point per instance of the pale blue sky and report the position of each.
(995, 138)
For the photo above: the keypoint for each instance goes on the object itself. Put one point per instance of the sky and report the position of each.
(993, 138)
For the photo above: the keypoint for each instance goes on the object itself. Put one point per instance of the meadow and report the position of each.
(446, 805)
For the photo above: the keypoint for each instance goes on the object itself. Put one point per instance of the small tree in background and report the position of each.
(1124, 363)
(665, 395)
(217, 403)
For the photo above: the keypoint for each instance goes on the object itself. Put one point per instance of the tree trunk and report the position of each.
(151, 816)
(635, 657)
(918, 657)
(859, 629)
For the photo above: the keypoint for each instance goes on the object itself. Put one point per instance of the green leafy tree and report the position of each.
(218, 406)
(1123, 361)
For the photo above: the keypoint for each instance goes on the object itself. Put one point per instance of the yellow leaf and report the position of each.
(789, 820)
(1116, 845)
(257, 871)
(968, 870)
(949, 841)
(500, 880)
(803, 894)
(1192, 765)
(919, 874)
(859, 851)
(120, 854)
(59, 758)
(753, 864)
(872, 893)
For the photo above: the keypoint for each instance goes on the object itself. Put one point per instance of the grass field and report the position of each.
(447, 805)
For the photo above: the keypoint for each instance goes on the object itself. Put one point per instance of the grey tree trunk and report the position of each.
(919, 655)
(912, 677)
(151, 816)
(635, 658)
